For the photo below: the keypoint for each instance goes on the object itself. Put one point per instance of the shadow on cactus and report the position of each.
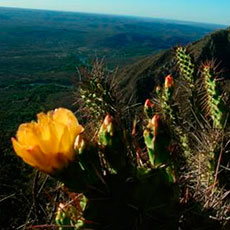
(120, 194)
(201, 131)
(136, 172)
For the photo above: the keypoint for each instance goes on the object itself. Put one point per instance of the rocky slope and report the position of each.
(138, 80)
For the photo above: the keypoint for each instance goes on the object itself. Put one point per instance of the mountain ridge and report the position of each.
(139, 79)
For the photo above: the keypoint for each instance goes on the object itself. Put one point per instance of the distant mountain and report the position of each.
(34, 41)
(139, 79)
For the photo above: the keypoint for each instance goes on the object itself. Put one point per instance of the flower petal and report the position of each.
(66, 144)
(26, 135)
(42, 161)
(23, 153)
(64, 116)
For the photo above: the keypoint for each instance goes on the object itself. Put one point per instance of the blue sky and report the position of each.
(210, 11)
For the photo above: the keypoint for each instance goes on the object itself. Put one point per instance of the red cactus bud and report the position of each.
(155, 122)
(107, 125)
(108, 120)
(169, 81)
(148, 104)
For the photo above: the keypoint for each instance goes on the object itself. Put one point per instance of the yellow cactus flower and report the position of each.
(48, 144)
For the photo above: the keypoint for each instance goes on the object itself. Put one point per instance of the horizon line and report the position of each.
(118, 15)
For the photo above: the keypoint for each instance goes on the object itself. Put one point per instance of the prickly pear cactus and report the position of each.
(129, 176)
(122, 195)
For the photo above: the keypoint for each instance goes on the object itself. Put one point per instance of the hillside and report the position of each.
(189, 142)
(41, 49)
(139, 79)
(39, 54)
(37, 41)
